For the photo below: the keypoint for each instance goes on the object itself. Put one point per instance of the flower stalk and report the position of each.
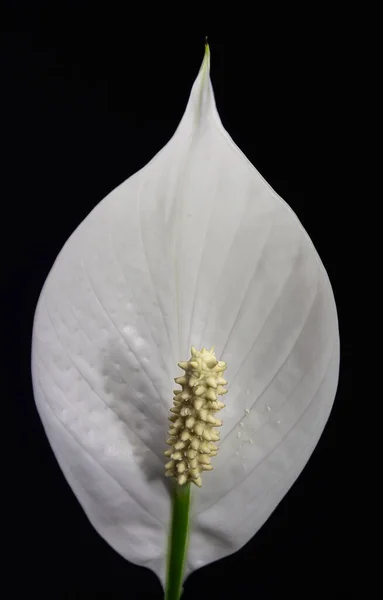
(178, 541)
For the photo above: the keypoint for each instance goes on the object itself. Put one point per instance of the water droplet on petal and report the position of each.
(247, 411)
(278, 422)
(239, 434)
(241, 424)
(251, 441)
(268, 408)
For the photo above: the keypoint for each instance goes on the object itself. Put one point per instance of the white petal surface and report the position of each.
(196, 248)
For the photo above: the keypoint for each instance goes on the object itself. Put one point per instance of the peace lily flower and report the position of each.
(195, 249)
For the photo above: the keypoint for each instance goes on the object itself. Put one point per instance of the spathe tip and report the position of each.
(207, 47)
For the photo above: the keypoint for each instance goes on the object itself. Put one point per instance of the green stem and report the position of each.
(178, 541)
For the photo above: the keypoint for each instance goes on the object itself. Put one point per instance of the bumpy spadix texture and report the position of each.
(194, 249)
(193, 423)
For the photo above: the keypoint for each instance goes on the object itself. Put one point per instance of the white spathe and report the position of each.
(194, 249)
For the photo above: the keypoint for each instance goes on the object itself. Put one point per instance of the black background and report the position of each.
(88, 98)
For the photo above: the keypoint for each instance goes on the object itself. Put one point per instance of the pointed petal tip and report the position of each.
(205, 67)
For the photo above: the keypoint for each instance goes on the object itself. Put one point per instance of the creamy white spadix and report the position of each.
(193, 422)
(195, 249)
